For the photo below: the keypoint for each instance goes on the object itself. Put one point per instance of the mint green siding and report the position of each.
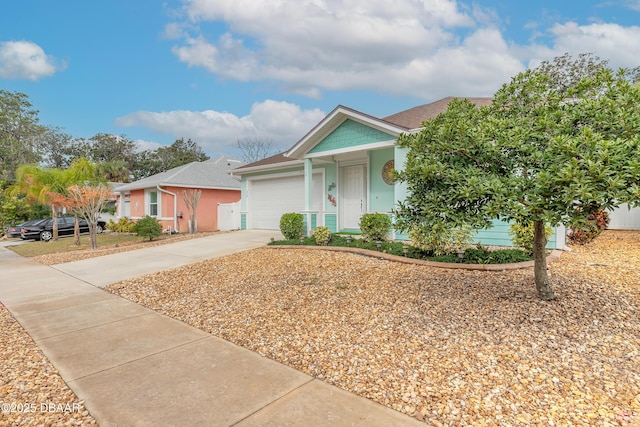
(314, 221)
(330, 222)
(349, 134)
(498, 235)
(381, 194)
(243, 221)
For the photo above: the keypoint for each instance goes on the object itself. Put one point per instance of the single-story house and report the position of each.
(341, 169)
(161, 195)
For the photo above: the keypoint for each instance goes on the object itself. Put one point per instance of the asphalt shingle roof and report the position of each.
(212, 173)
(413, 117)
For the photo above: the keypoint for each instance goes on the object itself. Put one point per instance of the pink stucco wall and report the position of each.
(206, 212)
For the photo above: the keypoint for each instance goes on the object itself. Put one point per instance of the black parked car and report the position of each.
(15, 230)
(43, 230)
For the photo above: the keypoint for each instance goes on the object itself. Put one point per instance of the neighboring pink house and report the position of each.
(161, 195)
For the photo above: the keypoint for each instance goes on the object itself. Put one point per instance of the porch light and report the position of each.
(378, 245)
(348, 240)
(405, 249)
(460, 253)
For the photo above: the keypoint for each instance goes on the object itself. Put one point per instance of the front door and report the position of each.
(353, 202)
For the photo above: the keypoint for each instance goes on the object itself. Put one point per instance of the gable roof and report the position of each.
(394, 124)
(332, 121)
(213, 174)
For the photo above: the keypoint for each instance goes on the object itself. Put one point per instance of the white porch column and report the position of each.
(308, 193)
(308, 185)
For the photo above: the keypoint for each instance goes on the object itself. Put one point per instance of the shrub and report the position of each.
(291, 225)
(522, 235)
(439, 239)
(375, 226)
(148, 227)
(583, 233)
(124, 225)
(322, 235)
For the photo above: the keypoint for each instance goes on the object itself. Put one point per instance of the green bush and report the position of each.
(522, 235)
(439, 239)
(375, 226)
(322, 235)
(124, 225)
(148, 227)
(291, 225)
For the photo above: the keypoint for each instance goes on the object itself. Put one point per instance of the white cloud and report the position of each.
(216, 131)
(26, 60)
(633, 4)
(428, 48)
(620, 45)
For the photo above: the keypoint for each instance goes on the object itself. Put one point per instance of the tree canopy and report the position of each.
(557, 142)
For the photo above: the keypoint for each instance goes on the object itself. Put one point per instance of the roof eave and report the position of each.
(272, 166)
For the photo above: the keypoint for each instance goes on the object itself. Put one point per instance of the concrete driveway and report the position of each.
(105, 270)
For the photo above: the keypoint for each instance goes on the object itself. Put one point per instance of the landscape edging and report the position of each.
(555, 254)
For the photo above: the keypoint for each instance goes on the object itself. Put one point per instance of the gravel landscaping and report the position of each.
(32, 393)
(449, 347)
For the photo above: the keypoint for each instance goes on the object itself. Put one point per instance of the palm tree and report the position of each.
(49, 186)
(44, 185)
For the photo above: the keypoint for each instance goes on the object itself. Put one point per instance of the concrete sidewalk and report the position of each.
(134, 366)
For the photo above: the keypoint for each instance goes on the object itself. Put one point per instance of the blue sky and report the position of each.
(218, 70)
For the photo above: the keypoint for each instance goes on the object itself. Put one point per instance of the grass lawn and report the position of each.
(65, 244)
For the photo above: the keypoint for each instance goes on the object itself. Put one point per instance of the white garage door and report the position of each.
(270, 198)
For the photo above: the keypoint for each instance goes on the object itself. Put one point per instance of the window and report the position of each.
(153, 203)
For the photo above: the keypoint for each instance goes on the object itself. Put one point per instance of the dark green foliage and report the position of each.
(375, 226)
(478, 255)
(556, 140)
(148, 227)
(291, 225)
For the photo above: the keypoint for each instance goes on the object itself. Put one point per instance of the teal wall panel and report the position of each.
(330, 222)
(350, 134)
(381, 194)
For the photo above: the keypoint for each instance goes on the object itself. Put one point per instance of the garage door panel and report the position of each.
(270, 198)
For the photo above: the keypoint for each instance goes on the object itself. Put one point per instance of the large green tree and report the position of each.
(181, 152)
(20, 133)
(557, 142)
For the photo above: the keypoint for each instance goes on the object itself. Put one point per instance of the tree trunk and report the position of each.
(93, 235)
(545, 291)
(76, 230)
(54, 219)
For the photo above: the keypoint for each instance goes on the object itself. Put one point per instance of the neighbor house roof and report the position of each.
(212, 173)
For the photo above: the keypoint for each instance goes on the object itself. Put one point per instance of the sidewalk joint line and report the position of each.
(274, 401)
(138, 359)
